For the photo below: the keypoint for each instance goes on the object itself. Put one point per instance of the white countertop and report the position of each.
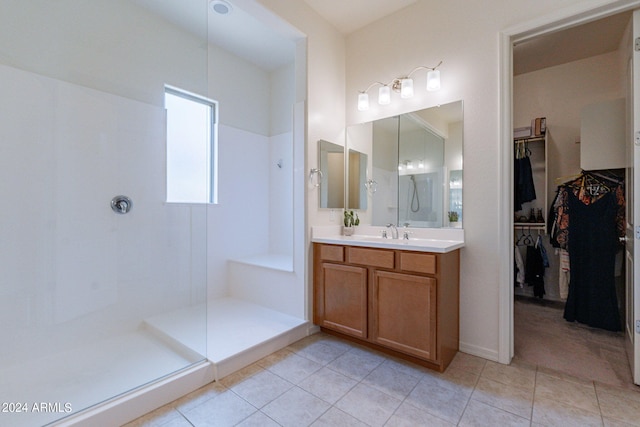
(440, 241)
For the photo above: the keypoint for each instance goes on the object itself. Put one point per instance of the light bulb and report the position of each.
(384, 95)
(433, 80)
(406, 88)
(363, 101)
(409, 165)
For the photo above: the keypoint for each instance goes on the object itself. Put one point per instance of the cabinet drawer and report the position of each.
(372, 257)
(418, 263)
(331, 253)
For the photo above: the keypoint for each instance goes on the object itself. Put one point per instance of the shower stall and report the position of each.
(111, 296)
(104, 283)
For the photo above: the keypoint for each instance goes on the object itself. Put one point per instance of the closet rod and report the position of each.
(529, 139)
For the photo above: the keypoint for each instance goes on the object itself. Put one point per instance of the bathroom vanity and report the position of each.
(397, 296)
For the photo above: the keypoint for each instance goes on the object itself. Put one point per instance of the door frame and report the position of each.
(565, 18)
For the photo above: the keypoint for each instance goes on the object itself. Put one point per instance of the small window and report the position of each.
(191, 147)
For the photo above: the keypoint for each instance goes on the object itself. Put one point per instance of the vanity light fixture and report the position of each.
(406, 88)
(404, 85)
(384, 95)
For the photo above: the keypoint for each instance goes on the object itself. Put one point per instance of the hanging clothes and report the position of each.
(534, 271)
(530, 270)
(592, 250)
(588, 216)
(588, 187)
(564, 274)
(519, 261)
(523, 177)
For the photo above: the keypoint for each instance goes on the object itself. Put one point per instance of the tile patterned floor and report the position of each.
(325, 381)
(544, 338)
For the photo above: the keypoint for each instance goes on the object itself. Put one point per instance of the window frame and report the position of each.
(213, 142)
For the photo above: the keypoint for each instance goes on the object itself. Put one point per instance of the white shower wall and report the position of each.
(255, 211)
(253, 221)
(281, 194)
(73, 270)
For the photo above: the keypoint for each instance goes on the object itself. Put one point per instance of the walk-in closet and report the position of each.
(570, 113)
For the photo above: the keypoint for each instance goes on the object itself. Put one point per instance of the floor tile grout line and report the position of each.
(468, 400)
(533, 398)
(598, 400)
(361, 382)
(331, 405)
(185, 415)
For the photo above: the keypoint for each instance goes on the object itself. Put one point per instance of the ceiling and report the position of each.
(237, 32)
(247, 37)
(579, 42)
(350, 15)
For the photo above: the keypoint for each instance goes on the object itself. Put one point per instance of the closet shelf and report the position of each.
(529, 225)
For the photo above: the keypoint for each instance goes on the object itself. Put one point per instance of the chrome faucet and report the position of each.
(394, 231)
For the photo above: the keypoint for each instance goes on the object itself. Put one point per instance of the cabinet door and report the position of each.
(404, 313)
(343, 299)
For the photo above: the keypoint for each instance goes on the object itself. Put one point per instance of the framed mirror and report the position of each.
(415, 167)
(332, 182)
(357, 173)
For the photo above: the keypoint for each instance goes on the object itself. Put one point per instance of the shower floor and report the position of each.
(239, 333)
(233, 326)
(237, 326)
(84, 376)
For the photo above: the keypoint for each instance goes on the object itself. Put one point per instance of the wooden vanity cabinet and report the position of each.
(344, 296)
(404, 313)
(401, 302)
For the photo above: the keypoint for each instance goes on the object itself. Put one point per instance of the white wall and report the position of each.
(465, 35)
(324, 70)
(102, 45)
(325, 81)
(281, 207)
(243, 91)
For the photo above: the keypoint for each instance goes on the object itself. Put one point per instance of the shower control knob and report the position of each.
(121, 204)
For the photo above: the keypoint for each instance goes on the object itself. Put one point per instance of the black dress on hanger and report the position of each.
(592, 251)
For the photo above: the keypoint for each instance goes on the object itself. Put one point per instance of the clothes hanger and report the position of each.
(525, 239)
(607, 176)
(565, 179)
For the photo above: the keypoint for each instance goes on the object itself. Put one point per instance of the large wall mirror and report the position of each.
(332, 183)
(357, 180)
(414, 168)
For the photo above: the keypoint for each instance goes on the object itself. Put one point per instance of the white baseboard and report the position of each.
(475, 350)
